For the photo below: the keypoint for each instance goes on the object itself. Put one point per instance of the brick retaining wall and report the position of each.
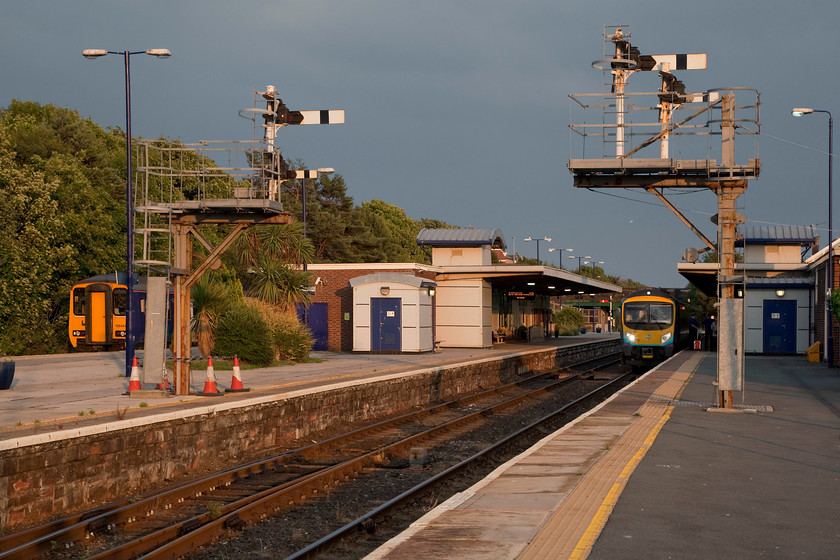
(42, 480)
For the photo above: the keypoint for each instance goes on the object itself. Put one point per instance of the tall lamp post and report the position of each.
(578, 258)
(305, 174)
(538, 239)
(798, 112)
(560, 258)
(129, 195)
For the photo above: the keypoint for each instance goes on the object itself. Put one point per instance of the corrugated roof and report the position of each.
(470, 237)
(779, 281)
(787, 235)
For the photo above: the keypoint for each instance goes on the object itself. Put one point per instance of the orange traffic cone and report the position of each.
(236, 383)
(210, 385)
(164, 383)
(134, 382)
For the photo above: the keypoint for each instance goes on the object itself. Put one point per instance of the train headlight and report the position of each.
(666, 337)
(630, 337)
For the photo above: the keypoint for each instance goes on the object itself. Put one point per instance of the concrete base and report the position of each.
(150, 394)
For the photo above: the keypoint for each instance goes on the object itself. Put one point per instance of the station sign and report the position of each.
(521, 295)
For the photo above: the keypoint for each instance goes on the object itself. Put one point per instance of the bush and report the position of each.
(568, 321)
(292, 340)
(242, 331)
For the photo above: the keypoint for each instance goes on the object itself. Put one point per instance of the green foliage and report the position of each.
(702, 304)
(835, 304)
(568, 321)
(242, 331)
(292, 340)
(275, 282)
(210, 298)
(397, 232)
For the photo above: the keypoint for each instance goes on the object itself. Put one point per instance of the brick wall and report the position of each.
(334, 290)
(54, 476)
(819, 309)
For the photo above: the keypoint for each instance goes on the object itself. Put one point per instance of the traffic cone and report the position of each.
(134, 382)
(210, 385)
(164, 383)
(236, 383)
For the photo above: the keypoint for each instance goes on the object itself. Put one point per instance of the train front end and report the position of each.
(648, 333)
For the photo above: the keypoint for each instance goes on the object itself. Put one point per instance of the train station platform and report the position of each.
(70, 437)
(71, 389)
(658, 471)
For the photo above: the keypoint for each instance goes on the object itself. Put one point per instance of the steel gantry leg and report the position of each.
(184, 282)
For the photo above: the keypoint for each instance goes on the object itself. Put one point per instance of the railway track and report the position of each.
(173, 521)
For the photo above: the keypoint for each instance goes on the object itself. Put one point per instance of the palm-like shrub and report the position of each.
(243, 332)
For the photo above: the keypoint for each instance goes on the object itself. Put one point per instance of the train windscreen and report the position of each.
(648, 315)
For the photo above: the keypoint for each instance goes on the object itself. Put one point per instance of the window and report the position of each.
(79, 301)
(649, 316)
(120, 296)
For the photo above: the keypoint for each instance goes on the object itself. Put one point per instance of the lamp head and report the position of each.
(800, 111)
(326, 170)
(94, 53)
(160, 53)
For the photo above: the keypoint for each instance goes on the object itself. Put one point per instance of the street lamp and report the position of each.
(578, 258)
(538, 243)
(129, 195)
(305, 174)
(798, 112)
(560, 259)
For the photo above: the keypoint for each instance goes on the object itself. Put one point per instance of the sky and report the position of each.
(456, 110)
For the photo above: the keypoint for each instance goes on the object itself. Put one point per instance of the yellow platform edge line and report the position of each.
(584, 545)
(587, 540)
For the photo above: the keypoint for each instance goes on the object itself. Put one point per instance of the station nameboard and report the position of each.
(521, 295)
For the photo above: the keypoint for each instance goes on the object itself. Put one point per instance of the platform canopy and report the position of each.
(541, 280)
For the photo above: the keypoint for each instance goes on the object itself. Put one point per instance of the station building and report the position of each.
(783, 284)
(465, 299)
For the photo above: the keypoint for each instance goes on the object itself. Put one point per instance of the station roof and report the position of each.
(469, 237)
(542, 280)
(704, 275)
(777, 235)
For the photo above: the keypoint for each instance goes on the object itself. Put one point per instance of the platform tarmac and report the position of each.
(658, 471)
(52, 392)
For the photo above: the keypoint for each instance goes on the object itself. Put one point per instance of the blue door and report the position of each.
(779, 326)
(315, 317)
(385, 322)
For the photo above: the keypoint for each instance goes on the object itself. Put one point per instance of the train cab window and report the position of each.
(79, 301)
(120, 297)
(648, 315)
(661, 314)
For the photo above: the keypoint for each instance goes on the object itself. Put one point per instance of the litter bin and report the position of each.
(7, 375)
(813, 353)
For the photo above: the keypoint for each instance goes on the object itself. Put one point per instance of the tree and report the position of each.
(275, 282)
(62, 218)
(395, 230)
(210, 298)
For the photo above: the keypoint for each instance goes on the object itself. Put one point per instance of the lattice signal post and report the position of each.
(176, 200)
(629, 124)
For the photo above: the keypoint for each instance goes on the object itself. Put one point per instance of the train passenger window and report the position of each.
(120, 296)
(661, 314)
(648, 315)
(79, 301)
